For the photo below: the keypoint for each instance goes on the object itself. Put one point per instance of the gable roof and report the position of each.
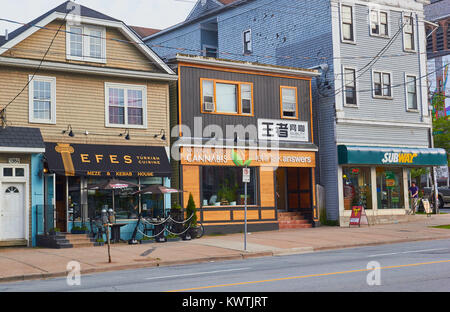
(222, 5)
(85, 13)
(144, 31)
(21, 137)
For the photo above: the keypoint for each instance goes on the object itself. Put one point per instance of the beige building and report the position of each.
(100, 98)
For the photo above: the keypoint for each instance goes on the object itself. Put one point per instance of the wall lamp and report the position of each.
(162, 134)
(126, 134)
(69, 131)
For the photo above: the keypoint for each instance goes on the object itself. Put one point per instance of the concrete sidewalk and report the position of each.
(36, 263)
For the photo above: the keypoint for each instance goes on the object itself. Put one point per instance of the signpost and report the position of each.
(245, 179)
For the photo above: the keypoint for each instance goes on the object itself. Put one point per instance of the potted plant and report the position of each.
(191, 210)
(80, 230)
(54, 231)
(99, 242)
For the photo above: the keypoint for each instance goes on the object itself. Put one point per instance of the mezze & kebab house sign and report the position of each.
(107, 160)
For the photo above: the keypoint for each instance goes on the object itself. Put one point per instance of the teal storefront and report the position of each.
(378, 178)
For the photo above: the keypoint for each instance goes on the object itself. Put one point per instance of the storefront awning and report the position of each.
(113, 161)
(373, 155)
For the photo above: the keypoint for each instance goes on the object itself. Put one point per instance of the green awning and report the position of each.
(374, 155)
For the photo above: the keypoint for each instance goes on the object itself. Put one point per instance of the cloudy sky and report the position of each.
(158, 14)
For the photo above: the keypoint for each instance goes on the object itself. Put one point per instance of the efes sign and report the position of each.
(107, 160)
(399, 158)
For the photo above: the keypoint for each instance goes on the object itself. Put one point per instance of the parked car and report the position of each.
(443, 195)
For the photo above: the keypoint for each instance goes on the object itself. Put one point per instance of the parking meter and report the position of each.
(111, 216)
(104, 216)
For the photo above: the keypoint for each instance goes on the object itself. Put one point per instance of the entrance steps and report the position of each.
(292, 220)
(79, 240)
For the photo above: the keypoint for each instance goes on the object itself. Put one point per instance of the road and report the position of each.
(410, 267)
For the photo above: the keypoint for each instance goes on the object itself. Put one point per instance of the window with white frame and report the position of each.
(126, 106)
(42, 99)
(379, 23)
(411, 92)
(86, 43)
(247, 42)
(350, 86)
(347, 23)
(382, 84)
(289, 102)
(408, 33)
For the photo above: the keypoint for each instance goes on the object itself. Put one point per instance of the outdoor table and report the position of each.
(115, 232)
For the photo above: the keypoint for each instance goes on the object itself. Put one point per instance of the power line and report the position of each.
(39, 66)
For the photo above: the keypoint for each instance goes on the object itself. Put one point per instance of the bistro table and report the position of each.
(115, 232)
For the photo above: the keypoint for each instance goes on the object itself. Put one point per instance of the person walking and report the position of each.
(414, 193)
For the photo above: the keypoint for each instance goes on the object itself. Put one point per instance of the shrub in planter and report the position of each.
(80, 230)
(54, 231)
(191, 210)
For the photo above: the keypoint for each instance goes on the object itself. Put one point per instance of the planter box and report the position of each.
(99, 244)
(146, 241)
(79, 232)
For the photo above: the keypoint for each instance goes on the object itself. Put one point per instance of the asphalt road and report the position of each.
(407, 267)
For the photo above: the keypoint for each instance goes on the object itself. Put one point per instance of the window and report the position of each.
(357, 187)
(223, 186)
(13, 172)
(382, 84)
(12, 189)
(390, 188)
(247, 42)
(347, 23)
(289, 102)
(86, 43)
(42, 100)
(408, 33)
(210, 51)
(379, 23)
(350, 86)
(226, 97)
(126, 106)
(411, 91)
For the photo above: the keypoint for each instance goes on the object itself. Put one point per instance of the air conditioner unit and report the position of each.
(208, 106)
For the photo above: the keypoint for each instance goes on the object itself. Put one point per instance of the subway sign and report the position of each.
(373, 155)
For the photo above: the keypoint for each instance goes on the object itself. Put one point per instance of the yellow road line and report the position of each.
(312, 275)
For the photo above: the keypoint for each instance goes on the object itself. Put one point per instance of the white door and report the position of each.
(12, 211)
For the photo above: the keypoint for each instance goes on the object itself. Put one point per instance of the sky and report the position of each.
(158, 14)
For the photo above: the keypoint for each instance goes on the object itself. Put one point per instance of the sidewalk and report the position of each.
(35, 263)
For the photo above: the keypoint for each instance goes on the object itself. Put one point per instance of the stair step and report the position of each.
(294, 226)
(293, 222)
(80, 245)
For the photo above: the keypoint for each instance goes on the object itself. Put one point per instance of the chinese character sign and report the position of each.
(283, 130)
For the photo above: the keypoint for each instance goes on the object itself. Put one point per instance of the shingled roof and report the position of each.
(21, 137)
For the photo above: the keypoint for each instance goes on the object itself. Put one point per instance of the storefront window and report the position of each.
(75, 207)
(223, 186)
(126, 204)
(390, 188)
(152, 204)
(357, 187)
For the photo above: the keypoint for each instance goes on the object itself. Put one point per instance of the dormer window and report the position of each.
(86, 43)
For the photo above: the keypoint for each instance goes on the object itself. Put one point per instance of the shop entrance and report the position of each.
(294, 190)
(61, 203)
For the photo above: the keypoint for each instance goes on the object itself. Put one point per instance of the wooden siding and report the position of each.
(267, 187)
(118, 54)
(80, 102)
(266, 97)
(191, 184)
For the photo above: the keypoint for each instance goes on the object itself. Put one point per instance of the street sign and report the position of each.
(437, 132)
(246, 175)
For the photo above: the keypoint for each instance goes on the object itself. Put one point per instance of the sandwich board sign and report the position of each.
(427, 207)
(358, 216)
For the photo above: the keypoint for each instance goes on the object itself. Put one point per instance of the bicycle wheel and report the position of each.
(200, 230)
